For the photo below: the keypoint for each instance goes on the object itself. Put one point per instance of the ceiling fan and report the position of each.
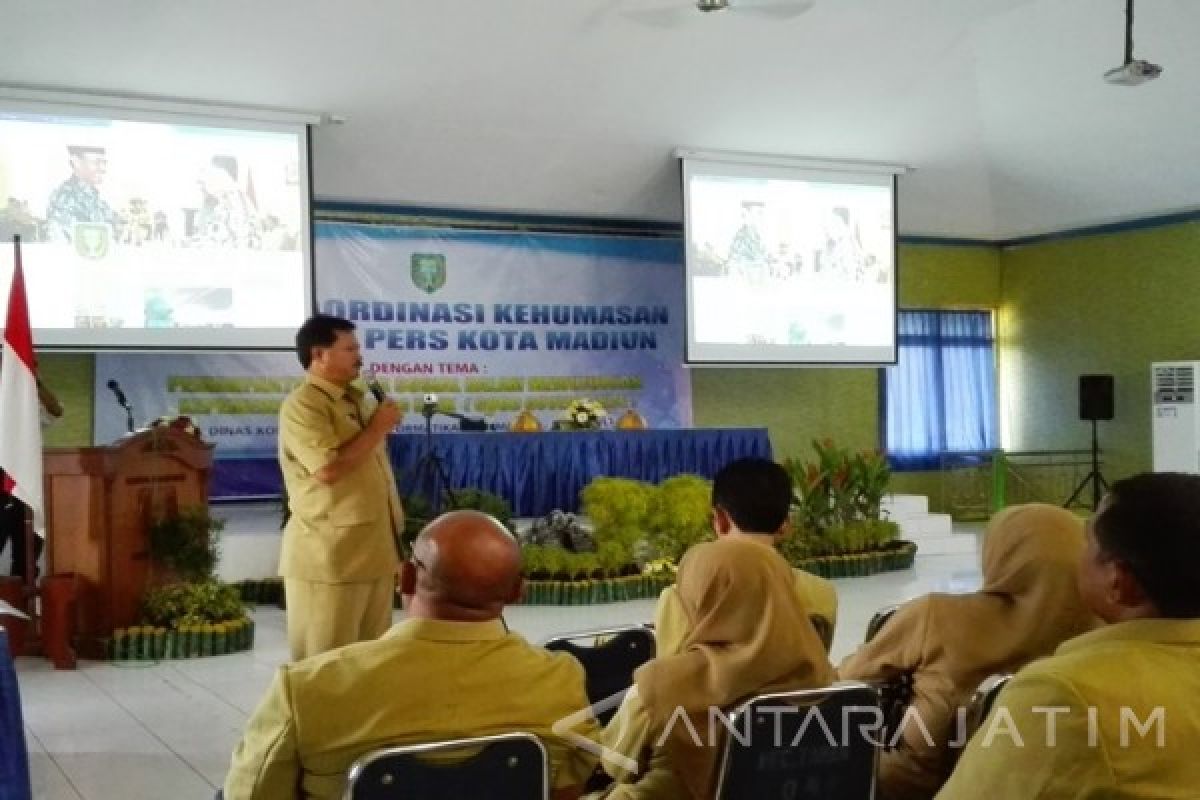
(676, 12)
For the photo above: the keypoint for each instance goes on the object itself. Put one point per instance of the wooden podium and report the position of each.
(99, 503)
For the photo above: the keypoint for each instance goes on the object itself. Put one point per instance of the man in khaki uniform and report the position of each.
(340, 549)
(1114, 714)
(751, 498)
(450, 670)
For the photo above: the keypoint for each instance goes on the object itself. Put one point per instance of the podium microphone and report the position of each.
(116, 390)
(122, 402)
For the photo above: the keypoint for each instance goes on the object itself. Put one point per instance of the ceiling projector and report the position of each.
(1133, 73)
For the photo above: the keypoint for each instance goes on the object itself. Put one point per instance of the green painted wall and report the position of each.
(799, 405)
(71, 377)
(1101, 304)
(939, 276)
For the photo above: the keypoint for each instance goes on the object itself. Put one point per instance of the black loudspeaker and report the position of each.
(1095, 396)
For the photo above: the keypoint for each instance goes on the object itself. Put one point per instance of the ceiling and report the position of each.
(574, 106)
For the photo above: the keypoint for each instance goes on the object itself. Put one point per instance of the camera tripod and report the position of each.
(431, 479)
(1095, 478)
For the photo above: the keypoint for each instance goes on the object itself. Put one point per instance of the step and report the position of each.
(902, 505)
(944, 545)
(928, 524)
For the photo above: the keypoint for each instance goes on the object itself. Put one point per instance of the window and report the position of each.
(940, 397)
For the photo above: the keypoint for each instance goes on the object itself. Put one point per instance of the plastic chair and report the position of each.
(813, 744)
(609, 660)
(511, 766)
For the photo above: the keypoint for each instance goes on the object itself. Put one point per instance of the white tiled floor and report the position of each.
(137, 732)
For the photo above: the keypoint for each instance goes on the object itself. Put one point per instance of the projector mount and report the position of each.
(779, 9)
(1132, 72)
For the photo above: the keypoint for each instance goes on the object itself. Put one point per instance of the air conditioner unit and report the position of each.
(1176, 416)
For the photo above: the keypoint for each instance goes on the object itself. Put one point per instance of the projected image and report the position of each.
(144, 225)
(783, 270)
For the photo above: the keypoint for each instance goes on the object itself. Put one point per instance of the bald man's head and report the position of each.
(465, 566)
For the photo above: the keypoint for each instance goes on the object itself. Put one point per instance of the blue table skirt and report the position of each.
(539, 472)
(14, 760)
(535, 472)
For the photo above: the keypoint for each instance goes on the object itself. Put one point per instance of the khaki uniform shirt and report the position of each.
(347, 531)
(1141, 666)
(424, 681)
(630, 734)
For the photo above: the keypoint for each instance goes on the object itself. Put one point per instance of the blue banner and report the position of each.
(493, 323)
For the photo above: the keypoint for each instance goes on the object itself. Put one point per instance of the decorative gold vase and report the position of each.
(631, 421)
(525, 422)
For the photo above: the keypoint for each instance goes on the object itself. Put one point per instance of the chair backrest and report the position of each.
(879, 619)
(609, 657)
(823, 629)
(982, 701)
(511, 766)
(805, 745)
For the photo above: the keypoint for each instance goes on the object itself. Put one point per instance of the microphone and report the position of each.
(116, 390)
(121, 401)
(376, 388)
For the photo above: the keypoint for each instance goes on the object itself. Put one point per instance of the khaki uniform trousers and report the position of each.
(324, 616)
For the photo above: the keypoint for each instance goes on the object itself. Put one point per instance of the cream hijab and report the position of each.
(1030, 599)
(749, 633)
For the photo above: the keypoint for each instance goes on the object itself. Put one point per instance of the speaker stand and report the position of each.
(1095, 478)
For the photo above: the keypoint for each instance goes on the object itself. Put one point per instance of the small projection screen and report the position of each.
(150, 230)
(789, 263)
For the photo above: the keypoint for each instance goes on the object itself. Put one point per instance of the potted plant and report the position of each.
(185, 546)
(836, 515)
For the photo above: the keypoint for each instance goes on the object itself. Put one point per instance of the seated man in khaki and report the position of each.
(451, 670)
(1114, 713)
(751, 498)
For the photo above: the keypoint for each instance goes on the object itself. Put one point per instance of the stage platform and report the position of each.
(250, 542)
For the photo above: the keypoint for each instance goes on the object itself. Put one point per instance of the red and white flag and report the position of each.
(20, 413)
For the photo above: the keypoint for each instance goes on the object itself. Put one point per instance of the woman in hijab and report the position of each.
(948, 644)
(748, 634)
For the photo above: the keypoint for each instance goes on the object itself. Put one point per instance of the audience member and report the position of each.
(1114, 713)
(948, 644)
(751, 498)
(450, 670)
(747, 632)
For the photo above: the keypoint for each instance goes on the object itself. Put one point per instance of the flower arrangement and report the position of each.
(184, 424)
(585, 414)
(660, 566)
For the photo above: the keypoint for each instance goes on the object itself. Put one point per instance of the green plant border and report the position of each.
(150, 643)
(897, 555)
(594, 592)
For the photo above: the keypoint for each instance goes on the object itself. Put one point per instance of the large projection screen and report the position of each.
(789, 265)
(152, 230)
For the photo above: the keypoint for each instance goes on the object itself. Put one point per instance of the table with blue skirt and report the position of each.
(535, 472)
(14, 760)
(540, 472)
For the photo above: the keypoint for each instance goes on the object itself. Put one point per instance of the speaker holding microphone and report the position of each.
(1096, 397)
